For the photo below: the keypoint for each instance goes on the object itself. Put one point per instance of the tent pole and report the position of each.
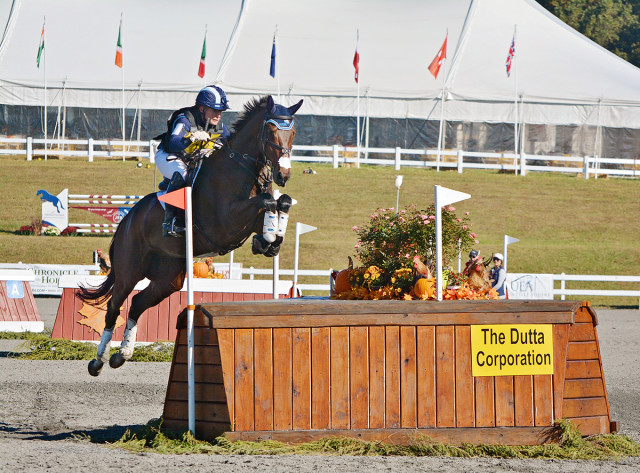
(515, 118)
(366, 124)
(441, 130)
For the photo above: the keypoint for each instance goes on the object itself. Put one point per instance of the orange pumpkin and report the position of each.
(342, 283)
(425, 288)
(200, 270)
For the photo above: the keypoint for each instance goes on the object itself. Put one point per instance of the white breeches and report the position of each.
(167, 164)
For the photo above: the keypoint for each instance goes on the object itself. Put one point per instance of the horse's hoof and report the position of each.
(259, 245)
(116, 360)
(95, 366)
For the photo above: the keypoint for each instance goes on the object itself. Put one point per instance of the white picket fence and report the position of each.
(348, 155)
(251, 272)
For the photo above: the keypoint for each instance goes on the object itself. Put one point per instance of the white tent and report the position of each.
(562, 77)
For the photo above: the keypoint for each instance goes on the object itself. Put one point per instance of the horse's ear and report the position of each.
(271, 106)
(294, 108)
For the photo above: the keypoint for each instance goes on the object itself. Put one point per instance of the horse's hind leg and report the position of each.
(113, 310)
(153, 294)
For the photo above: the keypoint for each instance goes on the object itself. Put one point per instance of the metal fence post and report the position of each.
(335, 156)
(29, 148)
(90, 150)
(459, 161)
(397, 158)
(562, 282)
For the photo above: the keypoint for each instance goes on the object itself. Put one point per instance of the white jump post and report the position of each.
(442, 197)
(182, 199)
(301, 228)
(507, 241)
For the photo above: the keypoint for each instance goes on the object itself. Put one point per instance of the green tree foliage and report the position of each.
(613, 24)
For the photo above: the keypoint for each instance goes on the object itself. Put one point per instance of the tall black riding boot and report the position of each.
(172, 226)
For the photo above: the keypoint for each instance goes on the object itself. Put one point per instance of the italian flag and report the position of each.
(119, 46)
(41, 47)
(203, 57)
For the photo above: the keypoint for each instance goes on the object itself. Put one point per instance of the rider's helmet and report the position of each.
(213, 97)
(473, 254)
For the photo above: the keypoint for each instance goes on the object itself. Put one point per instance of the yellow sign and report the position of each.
(507, 350)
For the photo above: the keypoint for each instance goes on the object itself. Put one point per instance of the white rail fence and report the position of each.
(562, 278)
(346, 155)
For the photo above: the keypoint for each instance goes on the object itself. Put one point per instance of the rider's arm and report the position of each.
(177, 141)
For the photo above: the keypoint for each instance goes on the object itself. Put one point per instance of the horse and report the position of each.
(231, 194)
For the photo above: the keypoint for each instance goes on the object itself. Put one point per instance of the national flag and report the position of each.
(119, 46)
(434, 67)
(510, 56)
(176, 198)
(203, 57)
(41, 47)
(272, 67)
(356, 59)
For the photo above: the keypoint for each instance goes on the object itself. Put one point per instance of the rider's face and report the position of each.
(212, 116)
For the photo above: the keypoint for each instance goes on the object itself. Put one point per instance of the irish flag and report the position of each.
(41, 47)
(119, 46)
(203, 57)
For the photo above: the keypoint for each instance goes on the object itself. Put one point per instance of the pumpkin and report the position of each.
(425, 288)
(342, 283)
(200, 270)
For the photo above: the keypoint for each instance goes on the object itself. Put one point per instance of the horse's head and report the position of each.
(276, 139)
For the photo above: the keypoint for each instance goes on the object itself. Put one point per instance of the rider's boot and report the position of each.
(173, 224)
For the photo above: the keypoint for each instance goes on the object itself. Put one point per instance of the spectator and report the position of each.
(498, 275)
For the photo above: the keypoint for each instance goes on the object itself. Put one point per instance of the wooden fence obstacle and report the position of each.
(76, 320)
(18, 309)
(298, 370)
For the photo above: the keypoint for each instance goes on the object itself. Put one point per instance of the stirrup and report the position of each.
(175, 230)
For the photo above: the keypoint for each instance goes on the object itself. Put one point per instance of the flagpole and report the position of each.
(444, 83)
(358, 106)
(515, 119)
(45, 86)
(277, 65)
(123, 106)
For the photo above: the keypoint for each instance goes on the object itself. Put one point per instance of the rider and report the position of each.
(189, 129)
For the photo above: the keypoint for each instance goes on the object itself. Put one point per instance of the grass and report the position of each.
(43, 347)
(572, 446)
(565, 223)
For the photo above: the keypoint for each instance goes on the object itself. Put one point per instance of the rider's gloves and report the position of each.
(199, 135)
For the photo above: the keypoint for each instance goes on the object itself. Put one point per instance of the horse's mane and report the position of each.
(251, 108)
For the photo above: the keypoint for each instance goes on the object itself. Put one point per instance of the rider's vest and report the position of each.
(188, 113)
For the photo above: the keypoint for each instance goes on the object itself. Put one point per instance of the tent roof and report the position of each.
(560, 74)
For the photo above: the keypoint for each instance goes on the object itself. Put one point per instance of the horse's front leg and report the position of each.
(274, 227)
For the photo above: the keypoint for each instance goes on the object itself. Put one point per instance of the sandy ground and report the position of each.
(47, 408)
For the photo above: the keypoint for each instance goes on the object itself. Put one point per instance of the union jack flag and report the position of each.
(510, 56)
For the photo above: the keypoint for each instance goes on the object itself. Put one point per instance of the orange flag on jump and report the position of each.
(175, 198)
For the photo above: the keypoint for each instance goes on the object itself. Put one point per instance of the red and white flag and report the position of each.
(434, 67)
(356, 58)
(203, 57)
(119, 47)
(511, 55)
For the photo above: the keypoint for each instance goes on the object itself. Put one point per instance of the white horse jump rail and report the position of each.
(104, 199)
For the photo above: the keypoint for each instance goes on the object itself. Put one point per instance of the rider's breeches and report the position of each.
(167, 164)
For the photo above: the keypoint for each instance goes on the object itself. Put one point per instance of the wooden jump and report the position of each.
(18, 309)
(297, 370)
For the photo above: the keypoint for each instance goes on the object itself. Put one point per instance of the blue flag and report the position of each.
(272, 68)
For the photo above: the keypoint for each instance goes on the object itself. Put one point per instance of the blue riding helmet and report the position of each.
(213, 97)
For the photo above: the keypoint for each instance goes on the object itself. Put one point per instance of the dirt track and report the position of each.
(47, 407)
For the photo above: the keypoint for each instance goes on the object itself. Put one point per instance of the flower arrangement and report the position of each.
(69, 231)
(26, 230)
(392, 245)
(51, 231)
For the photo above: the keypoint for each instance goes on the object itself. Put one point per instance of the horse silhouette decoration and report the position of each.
(46, 197)
(231, 194)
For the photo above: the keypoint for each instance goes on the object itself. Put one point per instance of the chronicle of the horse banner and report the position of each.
(508, 350)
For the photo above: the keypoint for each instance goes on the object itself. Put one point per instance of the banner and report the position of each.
(54, 209)
(510, 350)
(529, 286)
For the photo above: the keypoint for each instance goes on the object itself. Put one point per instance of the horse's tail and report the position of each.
(99, 294)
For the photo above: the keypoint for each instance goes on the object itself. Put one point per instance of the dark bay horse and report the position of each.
(230, 196)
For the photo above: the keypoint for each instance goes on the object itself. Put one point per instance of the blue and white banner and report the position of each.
(530, 286)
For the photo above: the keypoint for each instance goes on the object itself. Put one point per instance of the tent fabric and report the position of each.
(562, 78)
